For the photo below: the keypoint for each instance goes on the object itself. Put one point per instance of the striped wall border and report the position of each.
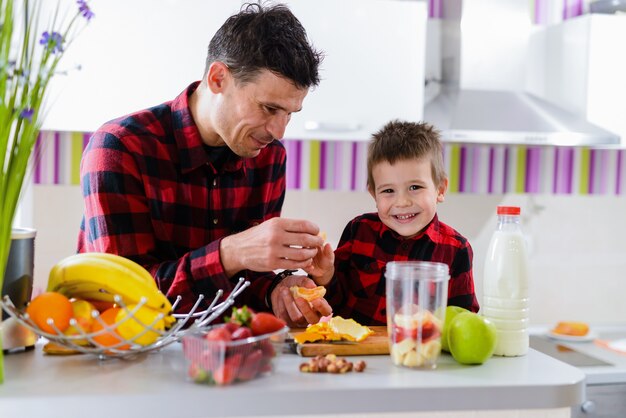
(341, 166)
(545, 12)
(542, 12)
(435, 9)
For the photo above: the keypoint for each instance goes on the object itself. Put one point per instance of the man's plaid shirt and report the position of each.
(155, 193)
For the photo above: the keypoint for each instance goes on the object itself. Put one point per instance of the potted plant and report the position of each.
(33, 39)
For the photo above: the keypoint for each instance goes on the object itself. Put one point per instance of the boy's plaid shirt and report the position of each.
(358, 288)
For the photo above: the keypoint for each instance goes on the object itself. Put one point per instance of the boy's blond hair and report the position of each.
(398, 141)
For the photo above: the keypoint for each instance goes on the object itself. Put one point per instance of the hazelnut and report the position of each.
(332, 368)
(359, 366)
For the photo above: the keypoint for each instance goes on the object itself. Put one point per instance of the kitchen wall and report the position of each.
(578, 249)
(575, 229)
(577, 245)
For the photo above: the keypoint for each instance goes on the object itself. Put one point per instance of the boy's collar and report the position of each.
(430, 229)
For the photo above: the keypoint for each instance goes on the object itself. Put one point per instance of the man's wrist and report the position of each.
(275, 282)
(227, 263)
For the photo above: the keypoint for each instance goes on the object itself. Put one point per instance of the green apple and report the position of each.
(451, 313)
(471, 338)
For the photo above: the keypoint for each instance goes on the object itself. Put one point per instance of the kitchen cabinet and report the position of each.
(373, 70)
(137, 54)
(579, 65)
(605, 369)
(131, 55)
(602, 401)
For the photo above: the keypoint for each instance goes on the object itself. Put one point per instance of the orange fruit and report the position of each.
(50, 305)
(307, 293)
(110, 338)
(82, 314)
(102, 305)
(578, 329)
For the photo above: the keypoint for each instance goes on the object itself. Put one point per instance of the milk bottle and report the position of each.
(505, 285)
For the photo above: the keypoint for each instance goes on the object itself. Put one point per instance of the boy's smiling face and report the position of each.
(405, 194)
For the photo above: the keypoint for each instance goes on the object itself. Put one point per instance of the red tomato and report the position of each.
(265, 323)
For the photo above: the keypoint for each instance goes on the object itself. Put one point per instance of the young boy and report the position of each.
(407, 180)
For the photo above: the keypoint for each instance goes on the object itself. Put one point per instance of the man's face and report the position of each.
(249, 116)
(405, 195)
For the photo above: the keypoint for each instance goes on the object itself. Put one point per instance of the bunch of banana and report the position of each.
(101, 276)
(134, 320)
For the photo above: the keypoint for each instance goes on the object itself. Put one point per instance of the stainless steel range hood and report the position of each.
(509, 117)
(483, 48)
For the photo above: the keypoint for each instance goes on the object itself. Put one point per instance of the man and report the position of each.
(192, 188)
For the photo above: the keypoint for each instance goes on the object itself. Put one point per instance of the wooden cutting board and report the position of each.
(376, 343)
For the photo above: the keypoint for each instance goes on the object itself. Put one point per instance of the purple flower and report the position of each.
(83, 8)
(27, 114)
(52, 41)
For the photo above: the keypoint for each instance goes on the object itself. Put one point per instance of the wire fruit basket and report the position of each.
(86, 342)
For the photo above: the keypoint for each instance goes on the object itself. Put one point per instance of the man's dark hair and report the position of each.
(265, 37)
(399, 141)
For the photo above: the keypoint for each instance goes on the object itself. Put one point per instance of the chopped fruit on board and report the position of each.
(336, 329)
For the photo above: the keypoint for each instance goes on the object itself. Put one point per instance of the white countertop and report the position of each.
(156, 385)
(615, 372)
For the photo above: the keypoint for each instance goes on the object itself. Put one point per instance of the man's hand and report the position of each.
(297, 312)
(278, 243)
(322, 268)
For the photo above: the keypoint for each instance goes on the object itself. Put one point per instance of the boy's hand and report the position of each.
(298, 312)
(322, 268)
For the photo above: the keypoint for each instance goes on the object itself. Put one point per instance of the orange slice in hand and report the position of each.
(308, 294)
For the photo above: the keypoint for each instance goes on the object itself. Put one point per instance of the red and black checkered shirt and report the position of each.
(358, 288)
(155, 193)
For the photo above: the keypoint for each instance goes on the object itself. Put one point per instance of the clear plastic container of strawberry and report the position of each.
(239, 350)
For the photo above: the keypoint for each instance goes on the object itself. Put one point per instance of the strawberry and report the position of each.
(218, 334)
(401, 333)
(231, 326)
(197, 373)
(227, 372)
(242, 333)
(209, 359)
(429, 330)
(250, 367)
(268, 349)
(241, 316)
(265, 323)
